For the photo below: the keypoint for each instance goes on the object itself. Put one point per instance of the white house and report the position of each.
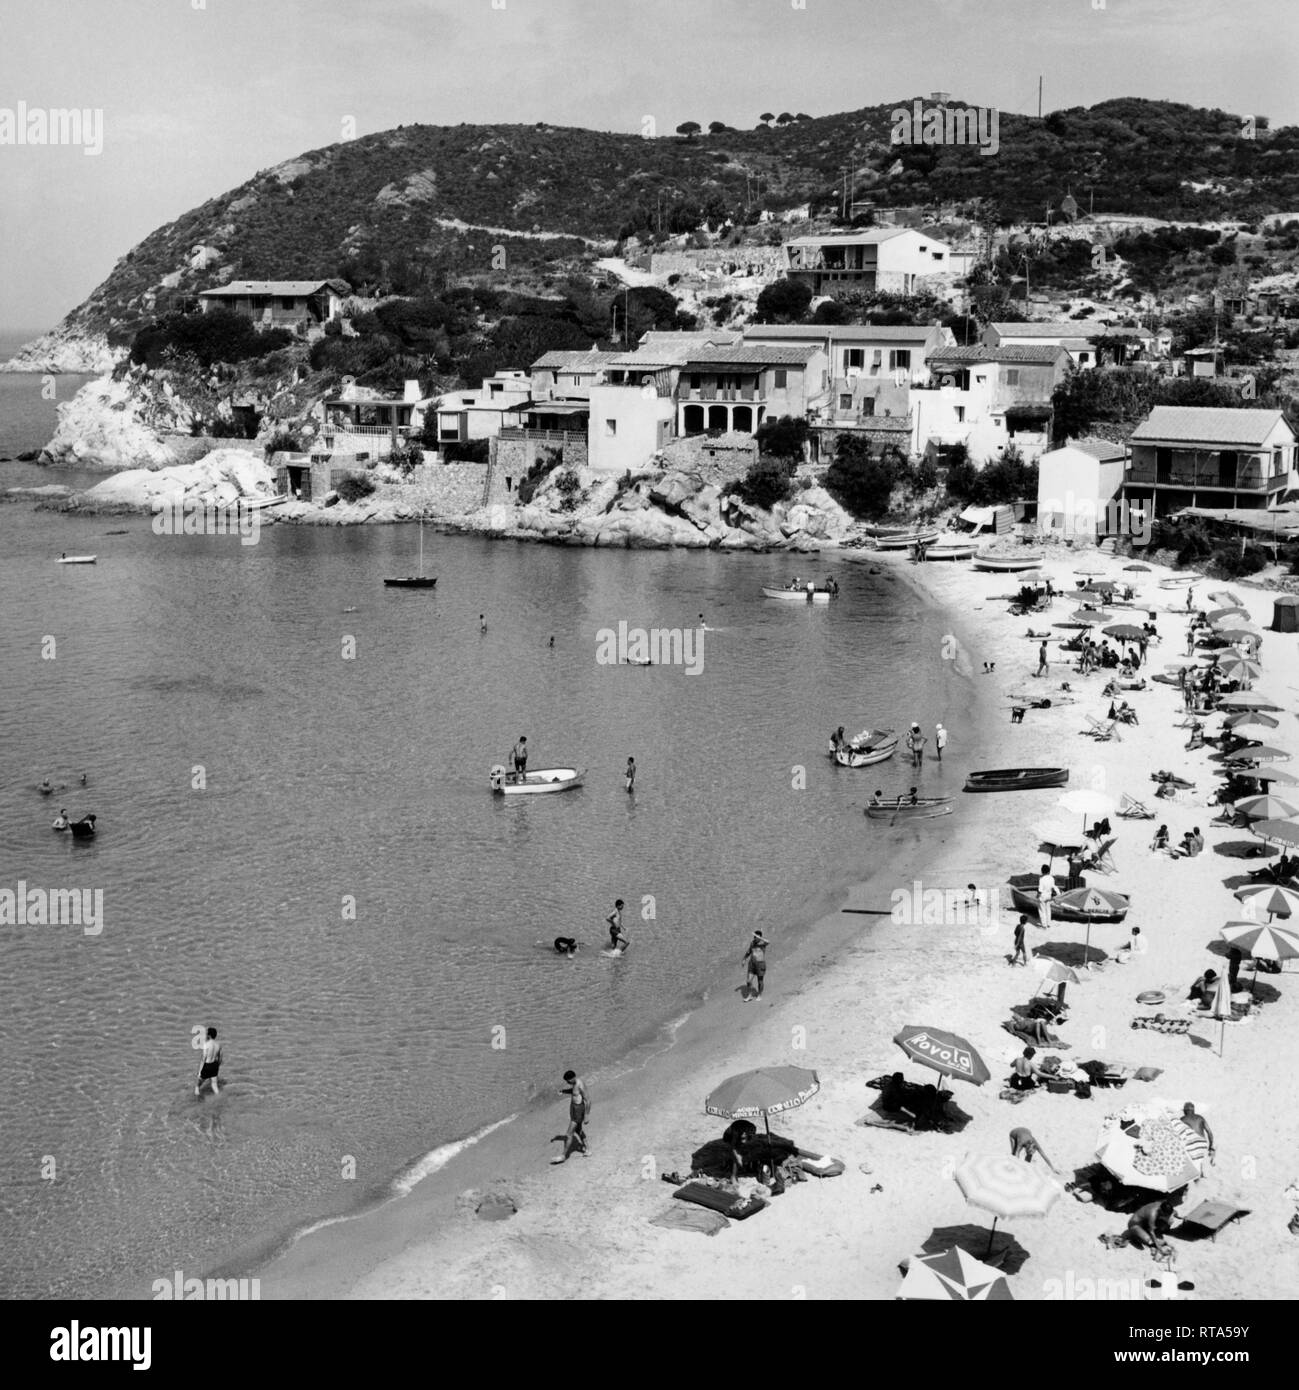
(465, 415)
(1076, 339)
(279, 303)
(880, 258)
(1077, 486)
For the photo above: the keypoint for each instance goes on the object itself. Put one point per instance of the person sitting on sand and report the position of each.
(1148, 1226)
(895, 1098)
(1126, 714)
(1131, 947)
(1202, 991)
(1023, 1078)
(1159, 845)
(1036, 1030)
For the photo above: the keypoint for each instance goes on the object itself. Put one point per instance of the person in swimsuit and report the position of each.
(211, 1063)
(520, 756)
(579, 1107)
(631, 774)
(62, 822)
(566, 945)
(1021, 950)
(756, 959)
(1024, 1145)
(618, 939)
(1024, 1078)
(1199, 1124)
(482, 622)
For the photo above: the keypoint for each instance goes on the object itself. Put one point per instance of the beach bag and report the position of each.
(1083, 1090)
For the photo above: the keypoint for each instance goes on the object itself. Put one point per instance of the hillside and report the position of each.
(403, 208)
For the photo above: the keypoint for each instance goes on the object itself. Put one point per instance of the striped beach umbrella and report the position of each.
(1265, 807)
(1251, 719)
(946, 1053)
(1248, 699)
(1259, 753)
(1262, 940)
(764, 1091)
(1053, 972)
(1007, 1187)
(1269, 772)
(954, 1276)
(1093, 905)
(1240, 668)
(1272, 898)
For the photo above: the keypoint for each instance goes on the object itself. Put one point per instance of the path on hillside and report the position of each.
(456, 225)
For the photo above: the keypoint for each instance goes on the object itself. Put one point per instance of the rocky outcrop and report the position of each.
(65, 349)
(110, 424)
(222, 478)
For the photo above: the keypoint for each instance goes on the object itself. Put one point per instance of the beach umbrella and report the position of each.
(1087, 571)
(1240, 668)
(1249, 699)
(1156, 1160)
(1265, 807)
(955, 1276)
(1272, 898)
(1262, 940)
(1092, 617)
(1220, 613)
(944, 1052)
(1237, 634)
(1277, 832)
(1251, 719)
(1222, 1009)
(1007, 1187)
(1126, 632)
(1145, 569)
(1268, 773)
(1258, 753)
(1059, 839)
(1094, 904)
(1053, 972)
(764, 1091)
(1084, 803)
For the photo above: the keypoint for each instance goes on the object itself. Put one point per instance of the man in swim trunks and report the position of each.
(579, 1107)
(1021, 950)
(1199, 1124)
(211, 1063)
(618, 939)
(756, 958)
(520, 756)
(631, 774)
(1024, 1145)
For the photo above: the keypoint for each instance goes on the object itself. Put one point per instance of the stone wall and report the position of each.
(451, 487)
(510, 460)
(717, 463)
(719, 260)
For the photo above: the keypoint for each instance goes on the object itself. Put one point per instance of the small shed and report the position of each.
(1285, 613)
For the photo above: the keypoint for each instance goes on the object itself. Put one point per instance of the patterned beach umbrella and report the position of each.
(1156, 1160)
(1265, 807)
(1271, 898)
(954, 1276)
(1240, 668)
(764, 1091)
(944, 1052)
(1259, 753)
(1126, 632)
(1007, 1187)
(1248, 699)
(1277, 832)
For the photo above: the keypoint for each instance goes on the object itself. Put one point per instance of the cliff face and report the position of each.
(114, 425)
(67, 348)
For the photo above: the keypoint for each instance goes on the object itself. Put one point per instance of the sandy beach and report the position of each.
(835, 1000)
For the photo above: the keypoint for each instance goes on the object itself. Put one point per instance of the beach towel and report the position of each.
(822, 1165)
(1160, 1024)
(877, 1121)
(687, 1218)
(716, 1199)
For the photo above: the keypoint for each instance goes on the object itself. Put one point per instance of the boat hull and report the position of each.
(951, 552)
(1023, 894)
(1012, 779)
(544, 781)
(77, 559)
(798, 595)
(864, 757)
(906, 541)
(926, 808)
(412, 583)
(1005, 564)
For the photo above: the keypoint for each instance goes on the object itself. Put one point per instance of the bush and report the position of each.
(569, 487)
(767, 482)
(784, 301)
(861, 484)
(355, 487)
(1233, 563)
(406, 458)
(783, 438)
(546, 462)
(283, 441)
(333, 329)
(220, 335)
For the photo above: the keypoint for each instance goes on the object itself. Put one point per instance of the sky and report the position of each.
(196, 96)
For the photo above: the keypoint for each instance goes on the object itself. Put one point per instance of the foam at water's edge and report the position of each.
(438, 1158)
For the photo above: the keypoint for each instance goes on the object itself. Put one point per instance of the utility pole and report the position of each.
(1039, 98)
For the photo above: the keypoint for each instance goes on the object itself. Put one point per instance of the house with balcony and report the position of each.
(988, 397)
(297, 304)
(466, 415)
(879, 258)
(1077, 339)
(733, 389)
(1195, 456)
(364, 431)
(568, 375)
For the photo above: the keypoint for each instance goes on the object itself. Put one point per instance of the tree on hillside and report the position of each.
(783, 438)
(689, 129)
(783, 301)
(860, 483)
(766, 118)
(802, 116)
(716, 127)
(784, 118)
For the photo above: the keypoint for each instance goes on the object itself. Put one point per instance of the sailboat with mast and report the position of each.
(414, 581)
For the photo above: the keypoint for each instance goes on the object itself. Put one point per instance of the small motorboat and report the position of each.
(1008, 564)
(863, 749)
(83, 829)
(923, 808)
(905, 540)
(1012, 779)
(1071, 904)
(802, 595)
(76, 559)
(543, 780)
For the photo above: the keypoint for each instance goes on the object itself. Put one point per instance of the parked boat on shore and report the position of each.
(954, 550)
(1010, 779)
(1076, 903)
(76, 559)
(1007, 564)
(538, 783)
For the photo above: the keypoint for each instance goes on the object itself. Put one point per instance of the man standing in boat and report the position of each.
(520, 756)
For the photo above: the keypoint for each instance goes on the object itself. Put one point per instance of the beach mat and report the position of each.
(691, 1218)
(877, 1121)
(715, 1199)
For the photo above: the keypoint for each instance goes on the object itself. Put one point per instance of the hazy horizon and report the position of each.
(199, 95)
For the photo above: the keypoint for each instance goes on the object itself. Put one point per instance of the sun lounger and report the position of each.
(1213, 1216)
(1102, 732)
(718, 1199)
(1133, 809)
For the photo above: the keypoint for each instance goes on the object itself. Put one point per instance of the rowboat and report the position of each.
(1011, 779)
(906, 540)
(1069, 905)
(924, 808)
(799, 595)
(76, 560)
(538, 783)
(869, 746)
(957, 551)
(1008, 564)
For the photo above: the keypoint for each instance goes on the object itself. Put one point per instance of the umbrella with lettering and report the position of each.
(954, 1276)
(1092, 905)
(944, 1052)
(1277, 832)
(1258, 753)
(1007, 1187)
(764, 1091)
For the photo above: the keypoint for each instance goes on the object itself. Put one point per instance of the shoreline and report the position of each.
(511, 1154)
(583, 1231)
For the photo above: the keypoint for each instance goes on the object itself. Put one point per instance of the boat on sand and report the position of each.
(1071, 904)
(536, 783)
(1007, 564)
(1010, 779)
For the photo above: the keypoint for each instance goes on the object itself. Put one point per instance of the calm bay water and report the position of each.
(188, 660)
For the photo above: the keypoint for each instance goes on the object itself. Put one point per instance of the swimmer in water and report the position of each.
(631, 774)
(62, 822)
(46, 787)
(566, 945)
(618, 939)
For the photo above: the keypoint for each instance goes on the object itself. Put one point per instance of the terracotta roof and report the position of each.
(841, 332)
(285, 288)
(1042, 330)
(1103, 449)
(1185, 424)
(1012, 352)
(753, 355)
(573, 357)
